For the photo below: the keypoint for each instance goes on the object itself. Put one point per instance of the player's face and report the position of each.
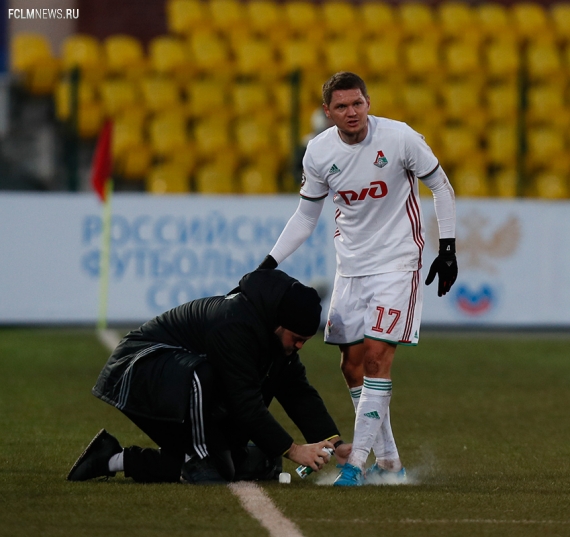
(348, 110)
(291, 342)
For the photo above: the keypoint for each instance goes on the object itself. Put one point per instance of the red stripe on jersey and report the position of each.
(411, 309)
(413, 211)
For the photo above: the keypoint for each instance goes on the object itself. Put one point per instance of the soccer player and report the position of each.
(372, 165)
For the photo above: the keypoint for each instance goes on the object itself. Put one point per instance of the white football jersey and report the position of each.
(375, 186)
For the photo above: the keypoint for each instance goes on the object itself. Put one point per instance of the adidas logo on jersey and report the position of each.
(374, 415)
(334, 169)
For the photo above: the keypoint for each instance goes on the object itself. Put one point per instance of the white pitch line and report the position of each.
(252, 497)
(446, 521)
(259, 505)
(109, 338)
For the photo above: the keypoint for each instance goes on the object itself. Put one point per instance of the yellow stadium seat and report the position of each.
(283, 139)
(457, 19)
(281, 95)
(460, 144)
(493, 19)
(31, 58)
(169, 56)
(249, 97)
(168, 178)
(216, 177)
(462, 58)
(384, 99)
(160, 93)
(205, 96)
(506, 183)
(298, 53)
(226, 15)
(545, 145)
(421, 58)
(134, 163)
(471, 180)
(264, 16)
(502, 101)
(377, 19)
(252, 137)
(530, 19)
(89, 119)
(502, 59)
(302, 18)
(552, 185)
(84, 52)
(124, 56)
(85, 95)
(89, 111)
(210, 53)
(544, 61)
(42, 79)
(342, 55)
(417, 20)
(127, 133)
(255, 57)
(546, 104)
(27, 50)
(168, 134)
(185, 16)
(131, 152)
(117, 94)
(337, 15)
(462, 103)
(419, 99)
(256, 179)
(382, 57)
(502, 144)
(560, 14)
(212, 137)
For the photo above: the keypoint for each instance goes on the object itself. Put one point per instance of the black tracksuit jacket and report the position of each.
(235, 333)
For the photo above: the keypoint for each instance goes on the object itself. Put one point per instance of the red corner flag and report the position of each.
(102, 161)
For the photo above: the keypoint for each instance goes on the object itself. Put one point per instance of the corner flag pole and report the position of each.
(104, 265)
(102, 182)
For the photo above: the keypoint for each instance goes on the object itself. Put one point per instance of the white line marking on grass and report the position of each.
(109, 338)
(483, 521)
(252, 497)
(445, 522)
(259, 505)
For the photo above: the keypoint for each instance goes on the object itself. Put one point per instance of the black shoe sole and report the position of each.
(85, 453)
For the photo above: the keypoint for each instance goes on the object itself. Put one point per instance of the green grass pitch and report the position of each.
(482, 423)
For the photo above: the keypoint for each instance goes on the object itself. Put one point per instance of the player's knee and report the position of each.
(352, 372)
(377, 364)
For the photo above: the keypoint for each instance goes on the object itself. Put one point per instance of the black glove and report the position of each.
(268, 263)
(445, 266)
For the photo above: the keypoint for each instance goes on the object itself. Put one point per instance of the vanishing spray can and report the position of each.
(304, 471)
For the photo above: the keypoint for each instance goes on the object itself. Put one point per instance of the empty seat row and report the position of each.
(449, 18)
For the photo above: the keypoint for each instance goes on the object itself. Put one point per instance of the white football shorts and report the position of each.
(386, 307)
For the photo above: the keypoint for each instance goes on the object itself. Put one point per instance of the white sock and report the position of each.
(355, 396)
(116, 463)
(384, 447)
(372, 409)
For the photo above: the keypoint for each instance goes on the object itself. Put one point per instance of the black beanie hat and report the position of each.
(300, 310)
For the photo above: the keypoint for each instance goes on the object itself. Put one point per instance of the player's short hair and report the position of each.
(344, 80)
